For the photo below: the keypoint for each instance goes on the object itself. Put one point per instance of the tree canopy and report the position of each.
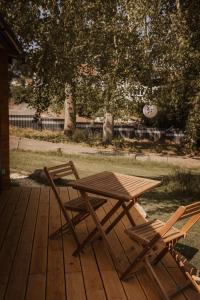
(92, 56)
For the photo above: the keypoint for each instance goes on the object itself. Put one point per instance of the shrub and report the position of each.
(79, 135)
(183, 182)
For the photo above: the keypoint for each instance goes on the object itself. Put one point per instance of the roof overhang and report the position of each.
(8, 40)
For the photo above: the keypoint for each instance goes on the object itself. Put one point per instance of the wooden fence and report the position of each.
(124, 130)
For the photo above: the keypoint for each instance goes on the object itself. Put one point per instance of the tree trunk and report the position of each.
(108, 127)
(178, 5)
(69, 111)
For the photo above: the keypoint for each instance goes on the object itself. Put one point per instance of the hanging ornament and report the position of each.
(150, 111)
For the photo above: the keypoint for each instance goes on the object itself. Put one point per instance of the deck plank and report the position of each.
(36, 287)
(9, 208)
(75, 288)
(113, 286)
(55, 267)
(92, 280)
(37, 274)
(178, 277)
(34, 266)
(8, 250)
(19, 273)
(133, 290)
(3, 200)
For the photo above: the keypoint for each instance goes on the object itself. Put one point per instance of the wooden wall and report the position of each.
(4, 122)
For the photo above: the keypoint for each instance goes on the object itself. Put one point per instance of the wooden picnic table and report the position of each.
(124, 189)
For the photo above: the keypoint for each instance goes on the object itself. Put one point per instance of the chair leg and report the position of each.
(95, 230)
(137, 259)
(162, 253)
(66, 227)
(120, 216)
(127, 212)
(155, 277)
(60, 230)
(179, 289)
(79, 217)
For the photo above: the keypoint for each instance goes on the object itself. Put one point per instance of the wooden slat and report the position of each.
(93, 283)
(167, 281)
(39, 252)
(8, 250)
(115, 185)
(73, 271)
(131, 290)
(36, 287)
(19, 273)
(128, 252)
(191, 213)
(3, 200)
(59, 166)
(195, 204)
(75, 286)
(11, 202)
(59, 175)
(23, 270)
(113, 286)
(72, 263)
(191, 210)
(114, 177)
(178, 277)
(61, 170)
(37, 274)
(55, 274)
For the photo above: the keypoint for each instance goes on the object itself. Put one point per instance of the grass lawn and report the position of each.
(179, 186)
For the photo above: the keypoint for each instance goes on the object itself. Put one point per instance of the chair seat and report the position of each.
(78, 204)
(145, 232)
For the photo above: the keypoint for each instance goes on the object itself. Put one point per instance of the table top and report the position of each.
(115, 185)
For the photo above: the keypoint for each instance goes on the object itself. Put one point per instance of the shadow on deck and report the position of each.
(32, 266)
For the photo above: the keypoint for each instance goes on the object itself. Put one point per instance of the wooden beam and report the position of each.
(4, 122)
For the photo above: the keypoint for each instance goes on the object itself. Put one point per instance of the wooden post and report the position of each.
(108, 127)
(4, 122)
(70, 113)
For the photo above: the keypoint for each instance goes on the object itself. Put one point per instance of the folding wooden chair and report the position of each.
(157, 238)
(76, 205)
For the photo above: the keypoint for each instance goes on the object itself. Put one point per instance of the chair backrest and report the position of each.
(60, 171)
(191, 211)
(63, 170)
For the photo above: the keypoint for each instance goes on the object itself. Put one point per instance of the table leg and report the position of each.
(97, 222)
(126, 210)
(120, 216)
(95, 230)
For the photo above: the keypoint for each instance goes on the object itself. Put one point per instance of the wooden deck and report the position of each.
(33, 266)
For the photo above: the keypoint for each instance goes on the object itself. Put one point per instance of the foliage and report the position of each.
(183, 182)
(105, 49)
(44, 135)
(170, 47)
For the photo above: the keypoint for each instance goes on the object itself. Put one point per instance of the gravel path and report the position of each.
(35, 145)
